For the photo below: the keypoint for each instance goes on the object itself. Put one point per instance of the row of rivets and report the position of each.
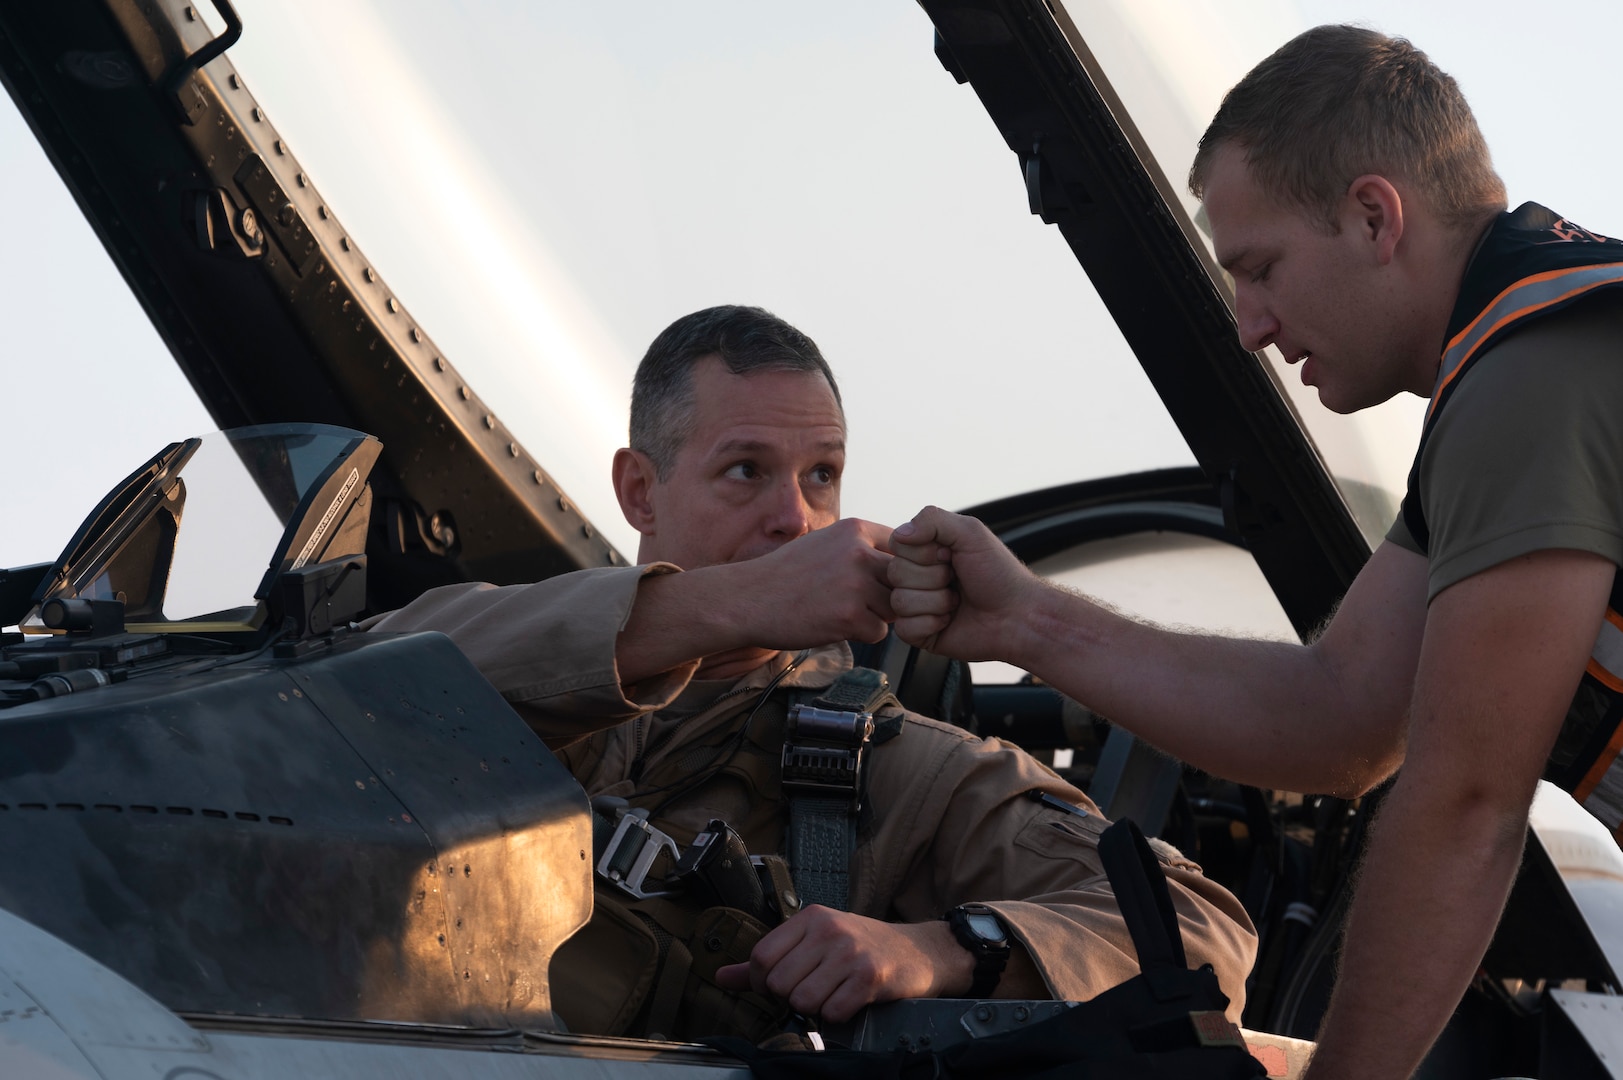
(416, 334)
(392, 304)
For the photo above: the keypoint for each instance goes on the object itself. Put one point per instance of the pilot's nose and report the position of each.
(1257, 326)
(791, 514)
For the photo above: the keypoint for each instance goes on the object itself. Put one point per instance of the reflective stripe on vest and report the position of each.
(1532, 262)
(1526, 297)
(1601, 790)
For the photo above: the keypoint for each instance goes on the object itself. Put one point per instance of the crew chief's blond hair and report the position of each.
(1337, 102)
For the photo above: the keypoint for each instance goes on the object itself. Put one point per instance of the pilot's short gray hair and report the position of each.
(746, 339)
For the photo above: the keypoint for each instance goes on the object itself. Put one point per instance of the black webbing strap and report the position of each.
(1166, 1022)
(858, 690)
(1140, 886)
(823, 777)
(822, 841)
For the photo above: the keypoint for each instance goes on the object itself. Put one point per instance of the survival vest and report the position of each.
(1533, 263)
(645, 964)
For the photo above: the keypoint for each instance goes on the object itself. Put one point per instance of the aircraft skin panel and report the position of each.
(338, 835)
(70, 1018)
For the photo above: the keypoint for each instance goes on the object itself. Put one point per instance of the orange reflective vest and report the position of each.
(1533, 263)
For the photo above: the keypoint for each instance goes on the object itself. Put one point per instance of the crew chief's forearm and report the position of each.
(1324, 718)
(1271, 714)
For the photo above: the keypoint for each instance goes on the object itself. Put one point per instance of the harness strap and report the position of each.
(824, 757)
(785, 893)
(822, 840)
(857, 690)
(669, 990)
(1140, 886)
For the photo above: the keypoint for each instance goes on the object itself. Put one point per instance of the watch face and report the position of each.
(985, 927)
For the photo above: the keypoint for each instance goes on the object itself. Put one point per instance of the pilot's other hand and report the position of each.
(828, 585)
(829, 963)
(956, 590)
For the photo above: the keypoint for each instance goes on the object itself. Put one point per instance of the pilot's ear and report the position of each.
(634, 480)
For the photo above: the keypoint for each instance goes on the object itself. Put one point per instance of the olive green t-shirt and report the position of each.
(1528, 454)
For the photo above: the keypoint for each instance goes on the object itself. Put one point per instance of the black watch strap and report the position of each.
(979, 929)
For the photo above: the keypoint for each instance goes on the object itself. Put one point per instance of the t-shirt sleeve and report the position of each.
(1399, 533)
(1528, 455)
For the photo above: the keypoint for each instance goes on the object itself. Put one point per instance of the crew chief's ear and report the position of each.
(634, 480)
(1376, 210)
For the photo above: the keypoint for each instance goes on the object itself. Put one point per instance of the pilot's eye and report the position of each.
(824, 474)
(744, 470)
(1259, 275)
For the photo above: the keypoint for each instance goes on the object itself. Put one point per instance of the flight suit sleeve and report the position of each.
(548, 647)
(955, 825)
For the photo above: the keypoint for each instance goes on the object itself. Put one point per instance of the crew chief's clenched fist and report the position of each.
(956, 590)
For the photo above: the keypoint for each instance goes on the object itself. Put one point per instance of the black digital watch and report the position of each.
(978, 929)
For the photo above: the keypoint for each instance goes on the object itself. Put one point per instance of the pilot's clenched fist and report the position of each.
(828, 585)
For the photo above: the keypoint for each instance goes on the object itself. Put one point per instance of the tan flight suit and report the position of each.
(948, 819)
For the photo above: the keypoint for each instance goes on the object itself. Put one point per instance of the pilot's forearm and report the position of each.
(832, 963)
(681, 618)
(828, 585)
(1075, 944)
(954, 966)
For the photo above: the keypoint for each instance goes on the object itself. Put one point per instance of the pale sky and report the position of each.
(547, 185)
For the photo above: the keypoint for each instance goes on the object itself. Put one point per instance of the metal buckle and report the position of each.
(823, 752)
(631, 854)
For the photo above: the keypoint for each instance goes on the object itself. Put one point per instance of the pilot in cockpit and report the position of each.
(883, 855)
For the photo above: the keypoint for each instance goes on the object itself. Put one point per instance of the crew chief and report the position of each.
(1353, 201)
